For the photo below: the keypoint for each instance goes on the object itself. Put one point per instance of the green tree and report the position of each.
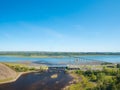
(112, 87)
(100, 77)
(93, 77)
(118, 65)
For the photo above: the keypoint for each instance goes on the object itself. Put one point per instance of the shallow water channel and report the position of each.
(39, 81)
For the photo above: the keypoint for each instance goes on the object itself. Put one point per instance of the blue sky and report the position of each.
(60, 25)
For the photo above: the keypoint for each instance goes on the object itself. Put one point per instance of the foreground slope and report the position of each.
(6, 72)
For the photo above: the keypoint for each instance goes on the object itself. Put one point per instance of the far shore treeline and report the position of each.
(61, 54)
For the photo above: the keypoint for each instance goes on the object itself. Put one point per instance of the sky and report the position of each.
(60, 25)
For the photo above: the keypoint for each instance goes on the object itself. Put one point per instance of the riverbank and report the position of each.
(39, 81)
(35, 56)
(8, 69)
(75, 80)
(10, 80)
(106, 79)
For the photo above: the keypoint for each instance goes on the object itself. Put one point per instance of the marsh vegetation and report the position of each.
(106, 79)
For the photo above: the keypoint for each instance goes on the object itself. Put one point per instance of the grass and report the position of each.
(8, 79)
(82, 84)
(21, 69)
(18, 67)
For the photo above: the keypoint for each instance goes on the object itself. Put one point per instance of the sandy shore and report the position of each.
(75, 80)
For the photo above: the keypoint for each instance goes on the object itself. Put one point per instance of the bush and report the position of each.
(32, 69)
(93, 78)
(78, 72)
(118, 65)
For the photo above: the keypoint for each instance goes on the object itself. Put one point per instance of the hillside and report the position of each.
(6, 72)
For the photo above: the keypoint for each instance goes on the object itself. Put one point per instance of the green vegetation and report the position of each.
(23, 67)
(106, 79)
(84, 84)
(54, 54)
(9, 71)
(20, 67)
(43, 68)
(4, 80)
(118, 65)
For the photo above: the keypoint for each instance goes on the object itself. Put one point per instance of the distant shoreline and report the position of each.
(59, 56)
(34, 56)
(38, 54)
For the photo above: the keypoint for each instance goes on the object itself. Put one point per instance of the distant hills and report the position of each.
(37, 53)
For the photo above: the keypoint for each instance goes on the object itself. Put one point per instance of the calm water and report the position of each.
(39, 81)
(43, 81)
(108, 58)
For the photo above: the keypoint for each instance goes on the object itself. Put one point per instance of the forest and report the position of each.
(62, 54)
(106, 79)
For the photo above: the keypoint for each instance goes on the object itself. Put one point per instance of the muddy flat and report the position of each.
(39, 81)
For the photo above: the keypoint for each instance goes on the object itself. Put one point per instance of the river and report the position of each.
(106, 58)
(39, 81)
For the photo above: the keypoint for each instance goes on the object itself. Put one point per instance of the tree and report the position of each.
(118, 65)
(100, 76)
(93, 77)
(112, 87)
